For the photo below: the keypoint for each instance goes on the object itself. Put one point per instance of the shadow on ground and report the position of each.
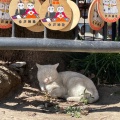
(28, 99)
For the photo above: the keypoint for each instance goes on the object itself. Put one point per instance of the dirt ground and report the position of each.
(27, 104)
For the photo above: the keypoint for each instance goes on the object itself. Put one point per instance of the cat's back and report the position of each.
(67, 75)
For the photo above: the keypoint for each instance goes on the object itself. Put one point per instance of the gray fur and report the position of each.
(69, 85)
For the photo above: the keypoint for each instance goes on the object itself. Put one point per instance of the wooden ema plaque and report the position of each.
(55, 14)
(39, 27)
(109, 10)
(25, 13)
(95, 21)
(75, 16)
(5, 19)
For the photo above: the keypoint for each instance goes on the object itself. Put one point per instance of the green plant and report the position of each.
(105, 66)
(117, 38)
(57, 108)
(84, 98)
(74, 60)
(74, 111)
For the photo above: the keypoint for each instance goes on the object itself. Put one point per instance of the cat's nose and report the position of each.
(46, 80)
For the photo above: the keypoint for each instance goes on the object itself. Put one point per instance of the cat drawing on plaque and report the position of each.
(30, 12)
(55, 14)
(20, 11)
(60, 15)
(109, 10)
(25, 12)
(95, 21)
(49, 14)
(110, 7)
(5, 19)
(39, 27)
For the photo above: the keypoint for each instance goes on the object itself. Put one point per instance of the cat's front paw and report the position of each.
(54, 95)
(73, 99)
(65, 96)
(43, 89)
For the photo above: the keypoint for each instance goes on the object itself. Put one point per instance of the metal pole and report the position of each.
(37, 44)
(119, 27)
(45, 32)
(13, 30)
(105, 32)
(76, 28)
(84, 18)
(113, 30)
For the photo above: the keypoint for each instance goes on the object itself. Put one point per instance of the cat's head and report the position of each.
(47, 73)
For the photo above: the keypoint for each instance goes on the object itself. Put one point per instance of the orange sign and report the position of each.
(5, 19)
(25, 13)
(95, 21)
(55, 14)
(39, 27)
(109, 10)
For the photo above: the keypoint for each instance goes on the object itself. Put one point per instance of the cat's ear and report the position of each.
(56, 65)
(38, 65)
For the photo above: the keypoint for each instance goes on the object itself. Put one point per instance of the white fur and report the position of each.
(69, 85)
(76, 84)
(42, 74)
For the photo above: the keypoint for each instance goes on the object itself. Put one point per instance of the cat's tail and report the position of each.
(93, 98)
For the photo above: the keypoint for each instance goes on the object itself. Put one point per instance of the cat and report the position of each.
(106, 6)
(114, 9)
(96, 16)
(69, 85)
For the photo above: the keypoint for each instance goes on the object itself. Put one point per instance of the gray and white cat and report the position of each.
(69, 85)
